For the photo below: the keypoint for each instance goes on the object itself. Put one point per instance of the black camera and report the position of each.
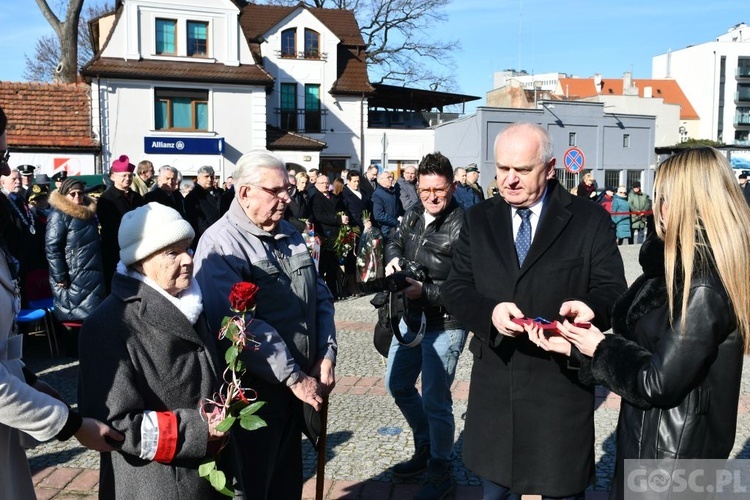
(409, 269)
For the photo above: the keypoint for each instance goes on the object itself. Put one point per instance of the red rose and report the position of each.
(242, 296)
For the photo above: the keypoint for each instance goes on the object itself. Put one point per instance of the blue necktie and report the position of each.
(523, 238)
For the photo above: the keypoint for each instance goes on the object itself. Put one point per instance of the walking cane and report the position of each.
(320, 478)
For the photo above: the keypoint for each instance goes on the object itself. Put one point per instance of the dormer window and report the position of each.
(289, 43)
(312, 44)
(177, 37)
(197, 42)
(166, 30)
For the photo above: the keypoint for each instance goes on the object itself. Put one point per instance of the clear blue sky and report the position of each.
(577, 37)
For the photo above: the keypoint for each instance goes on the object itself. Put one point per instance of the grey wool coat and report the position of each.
(138, 352)
(74, 252)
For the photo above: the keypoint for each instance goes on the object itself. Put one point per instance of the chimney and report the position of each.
(627, 81)
(598, 83)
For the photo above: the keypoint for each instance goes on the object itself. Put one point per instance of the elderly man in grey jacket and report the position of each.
(407, 188)
(293, 367)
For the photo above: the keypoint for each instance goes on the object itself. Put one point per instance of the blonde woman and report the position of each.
(587, 187)
(681, 330)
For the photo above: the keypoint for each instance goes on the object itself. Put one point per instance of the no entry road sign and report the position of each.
(574, 160)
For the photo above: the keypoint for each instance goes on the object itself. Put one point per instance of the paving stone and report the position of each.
(88, 480)
(60, 478)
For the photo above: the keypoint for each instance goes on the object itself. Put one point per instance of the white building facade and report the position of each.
(175, 83)
(715, 77)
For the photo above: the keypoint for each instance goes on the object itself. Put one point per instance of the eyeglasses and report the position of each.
(280, 193)
(76, 194)
(440, 192)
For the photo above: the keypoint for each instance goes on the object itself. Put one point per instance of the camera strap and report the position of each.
(393, 309)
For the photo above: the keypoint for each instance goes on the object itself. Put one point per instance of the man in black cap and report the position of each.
(59, 177)
(27, 175)
(641, 204)
(472, 179)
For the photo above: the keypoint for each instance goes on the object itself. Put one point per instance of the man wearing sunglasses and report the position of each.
(425, 237)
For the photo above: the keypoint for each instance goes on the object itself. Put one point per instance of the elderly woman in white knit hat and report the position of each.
(148, 360)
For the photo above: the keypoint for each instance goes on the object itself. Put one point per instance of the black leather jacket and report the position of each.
(679, 389)
(433, 248)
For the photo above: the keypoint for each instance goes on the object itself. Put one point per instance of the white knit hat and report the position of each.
(150, 228)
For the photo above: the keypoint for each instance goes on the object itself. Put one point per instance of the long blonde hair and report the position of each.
(702, 216)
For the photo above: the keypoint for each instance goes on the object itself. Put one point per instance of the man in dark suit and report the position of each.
(326, 208)
(370, 181)
(166, 191)
(117, 200)
(203, 203)
(534, 251)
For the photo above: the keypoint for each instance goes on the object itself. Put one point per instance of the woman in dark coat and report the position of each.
(74, 252)
(681, 329)
(148, 362)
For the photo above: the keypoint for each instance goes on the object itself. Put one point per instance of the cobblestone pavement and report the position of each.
(366, 432)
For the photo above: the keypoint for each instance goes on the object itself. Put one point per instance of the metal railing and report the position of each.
(311, 121)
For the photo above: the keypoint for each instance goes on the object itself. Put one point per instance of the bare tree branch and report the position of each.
(67, 35)
(48, 55)
(41, 67)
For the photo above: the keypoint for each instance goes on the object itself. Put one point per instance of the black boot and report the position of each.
(440, 484)
(417, 464)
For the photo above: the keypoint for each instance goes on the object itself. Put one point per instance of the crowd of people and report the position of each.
(630, 211)
(149, 271)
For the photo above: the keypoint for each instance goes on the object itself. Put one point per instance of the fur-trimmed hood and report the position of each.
(65, 205)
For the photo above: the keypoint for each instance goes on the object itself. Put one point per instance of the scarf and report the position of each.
(189, 301)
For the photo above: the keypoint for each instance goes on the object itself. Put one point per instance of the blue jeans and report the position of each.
(430, 415)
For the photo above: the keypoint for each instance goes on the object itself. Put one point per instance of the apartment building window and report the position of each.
(312, 108)
(743, 67)
(289, 43)
(626, 140)
(742, 116)
(312, 44)
(571, 139)
(166, 32)
(181, 109)
(197, 41)
(289, 106)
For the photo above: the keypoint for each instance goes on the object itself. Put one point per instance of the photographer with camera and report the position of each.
(419, 260)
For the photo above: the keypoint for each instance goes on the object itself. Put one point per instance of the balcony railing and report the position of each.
(743, 71)
(742, 120)
(742, 96)
(310, 121)
(313, 55)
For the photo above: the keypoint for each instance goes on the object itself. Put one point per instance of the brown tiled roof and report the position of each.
(277, 139)
(48, 115)
(147, 69)
(667, 89)
(352, 73)
(256, 20)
